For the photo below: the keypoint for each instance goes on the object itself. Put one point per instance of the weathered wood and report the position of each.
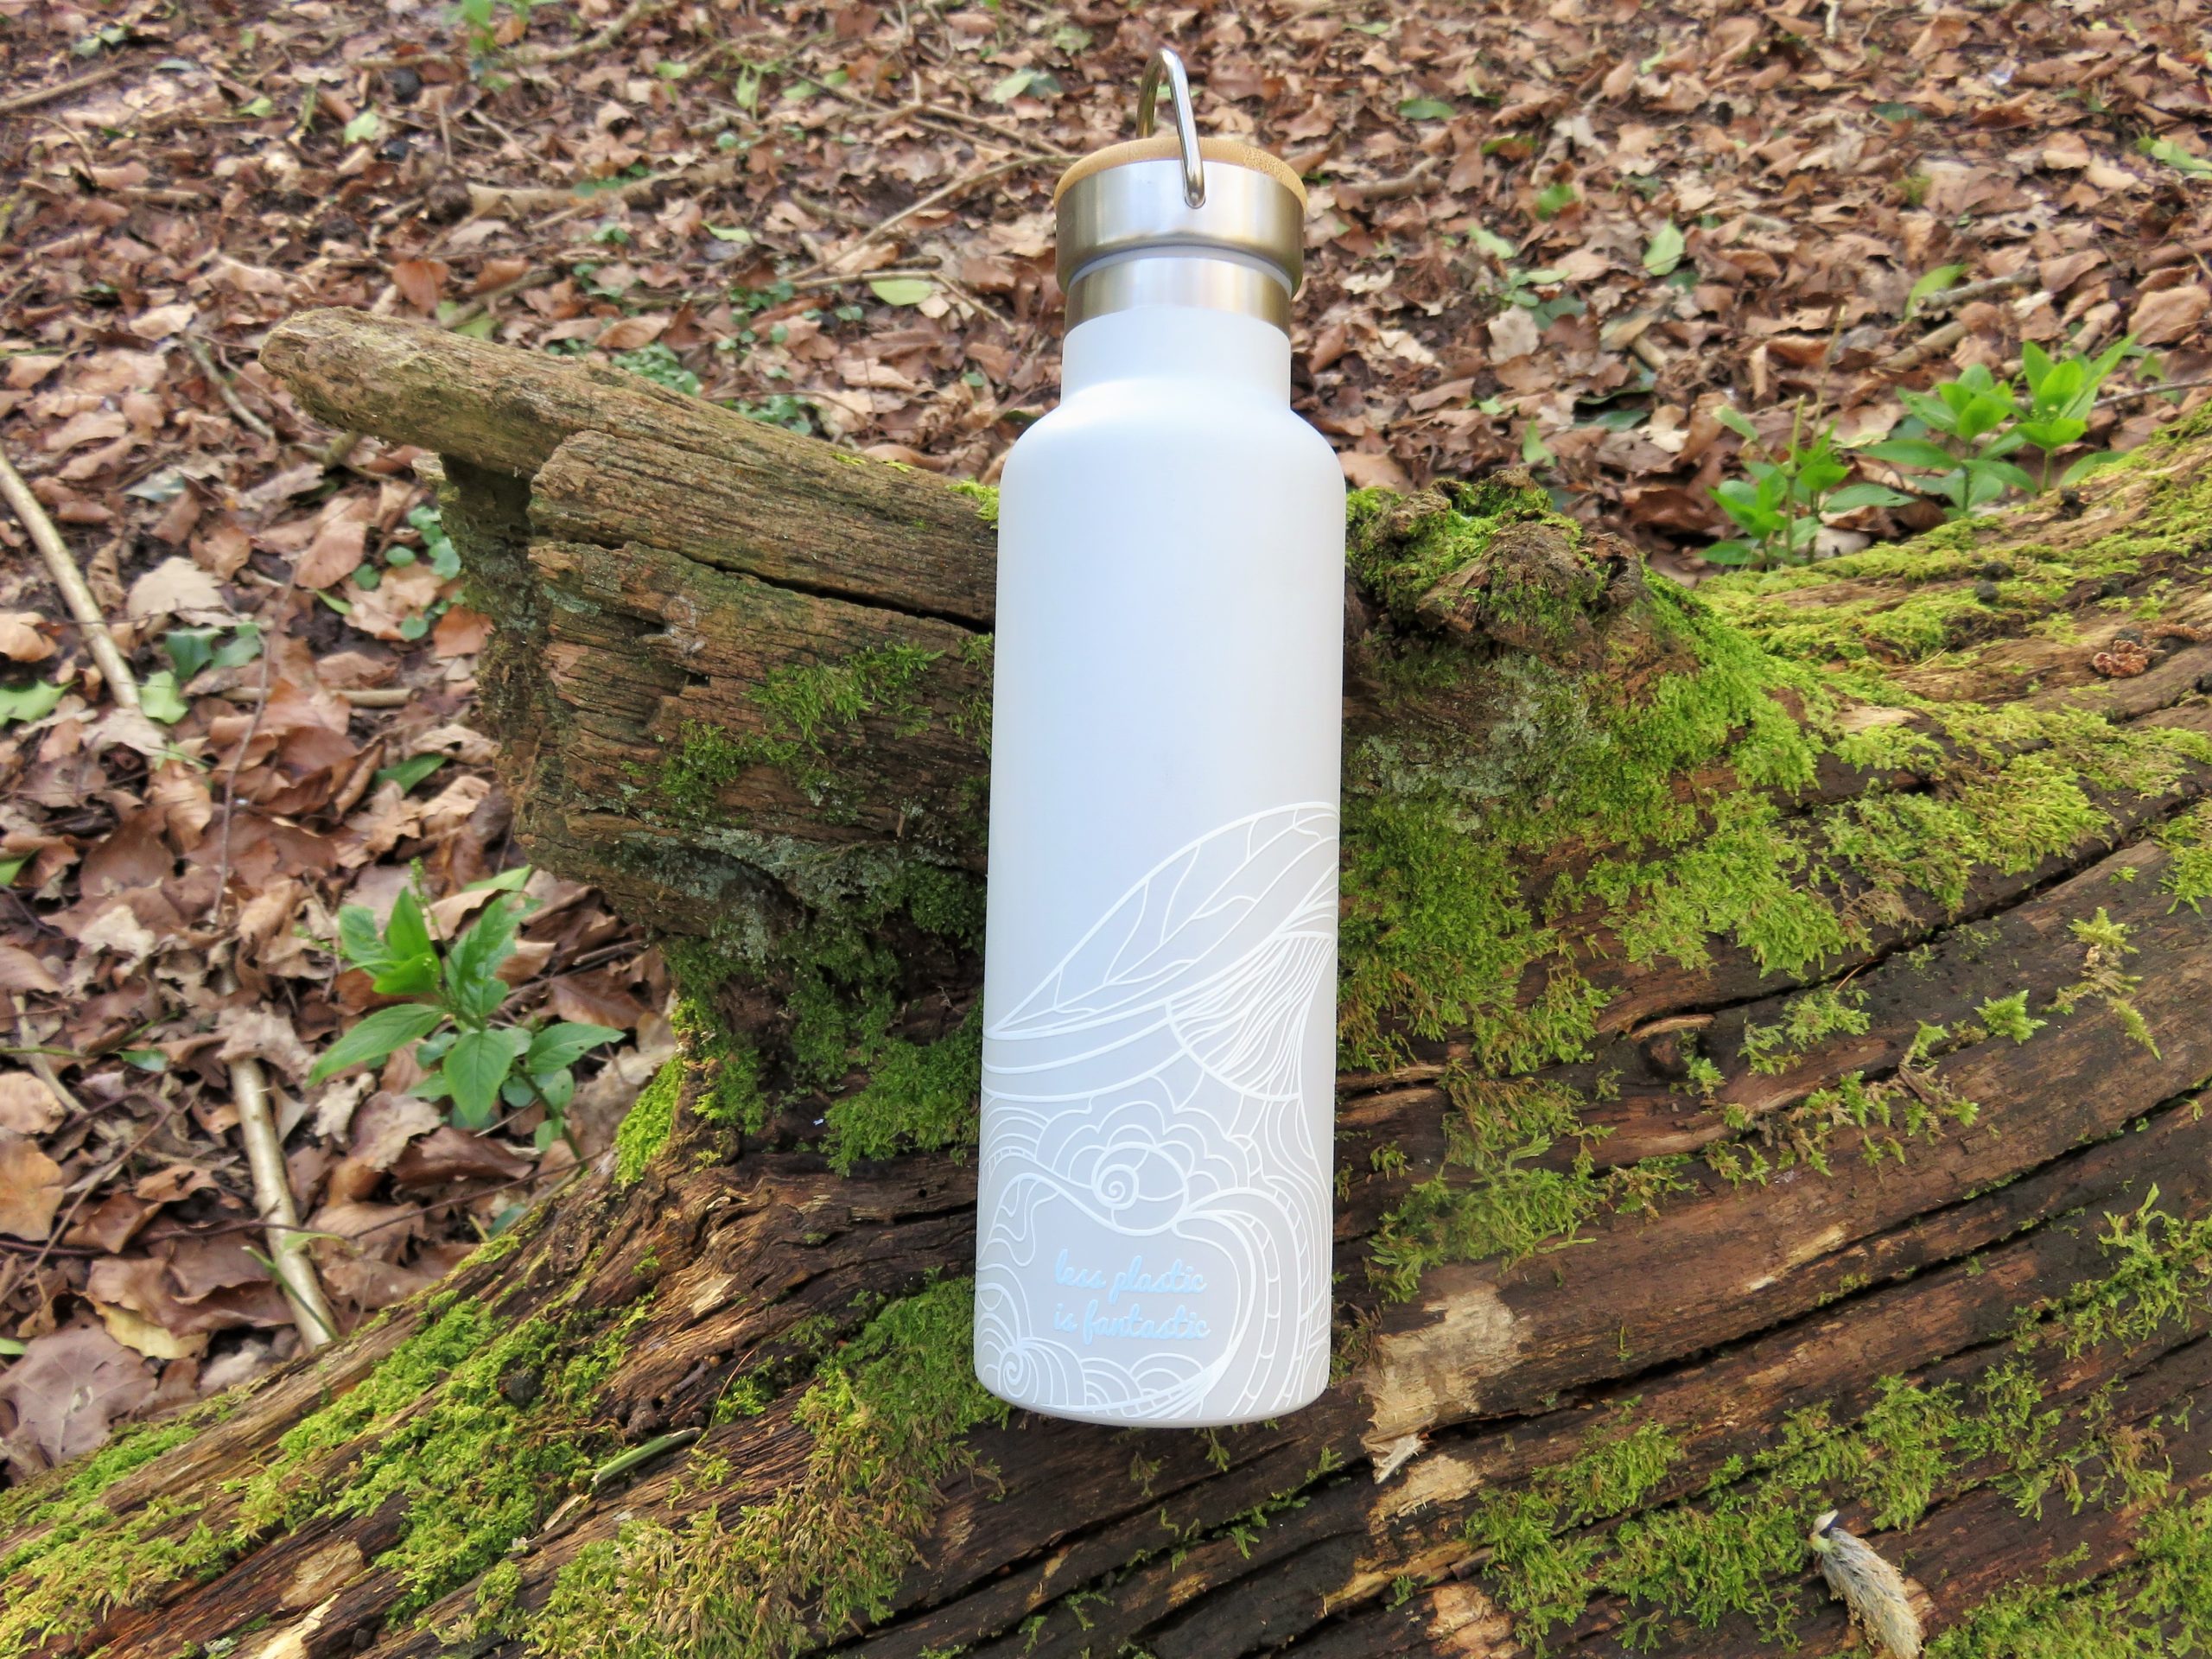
(1694, 1083)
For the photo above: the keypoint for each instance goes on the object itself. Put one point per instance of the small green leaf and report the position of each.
(1556, 199)
(1666, 249)
(257, 109)
(12, 868)
(2165, 149)
(363, 127)
(902, 290)
(146, 1059)
(1009, 87)
(1913, 452)
(473, 964)
(561, 1046)
(158, 698)
(514, 880)
(29, 702)
(1935, 281)
(189, 650)
(1853, 497)
(2080, 469)
(736, 233)
(1534, 450)
(410, 771)
(1427, 109)
(242, 647)
(1736, 421)
(376, 1035)
(556, 1089)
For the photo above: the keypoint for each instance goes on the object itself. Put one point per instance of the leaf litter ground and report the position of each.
(1566, 235)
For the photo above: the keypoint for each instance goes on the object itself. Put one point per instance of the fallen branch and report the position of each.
(16, 103)
(35, 1057)
(272, 1201)
(70, 580)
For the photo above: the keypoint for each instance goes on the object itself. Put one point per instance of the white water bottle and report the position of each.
(1153, 1241)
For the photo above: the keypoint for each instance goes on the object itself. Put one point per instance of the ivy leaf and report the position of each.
(363, 127)
(158, 699)
(1666, 249)
(375, 1037)
(902, 290)
(32, 701)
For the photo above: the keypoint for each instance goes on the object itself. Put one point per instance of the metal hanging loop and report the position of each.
(1166, 66)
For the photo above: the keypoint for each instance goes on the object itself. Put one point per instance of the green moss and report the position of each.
(1506, 1204)
(1737, 1547)
(2008, 1016)
(887, 1416)
(1544, 1577)
(802, 707)
(646, 1126)
(919, 1097)
(2187, 841)
(985, 496)
(1806, 1021)
(2101, 978)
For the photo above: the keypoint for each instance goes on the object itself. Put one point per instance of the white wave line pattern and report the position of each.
(1156, 1087)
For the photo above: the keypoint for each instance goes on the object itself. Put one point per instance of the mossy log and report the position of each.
(1773, 1021)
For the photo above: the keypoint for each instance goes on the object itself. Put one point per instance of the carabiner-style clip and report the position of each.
(1166, 65)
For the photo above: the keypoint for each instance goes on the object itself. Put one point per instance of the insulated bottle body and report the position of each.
(1158, 1045)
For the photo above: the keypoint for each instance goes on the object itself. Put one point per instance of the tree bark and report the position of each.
(1772, 1021)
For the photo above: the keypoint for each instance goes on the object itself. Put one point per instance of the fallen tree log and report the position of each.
(1772, 1025)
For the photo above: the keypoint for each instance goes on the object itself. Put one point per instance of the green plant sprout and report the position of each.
(1969, 428)
(454, 993)
(1779, 507)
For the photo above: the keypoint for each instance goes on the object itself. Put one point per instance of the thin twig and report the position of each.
(70, 580)
(637, 12)
(206, 357)
(17, 102)
(1946, 298)
(87, 1188)
(965, 182)
(2134, 392)
(41, 1067)
(237, 759)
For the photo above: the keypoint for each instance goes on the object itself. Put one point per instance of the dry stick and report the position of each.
(38, 95)
(41, 1067)
(246, 417)
(1924, 348)
(272, 1201)
(966, 182)
(1966, 293)
(70, 580)
(2134, 392)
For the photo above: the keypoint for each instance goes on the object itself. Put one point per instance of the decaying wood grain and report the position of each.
(660, 571)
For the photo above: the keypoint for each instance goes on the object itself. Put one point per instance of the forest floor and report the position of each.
(1566, 235)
